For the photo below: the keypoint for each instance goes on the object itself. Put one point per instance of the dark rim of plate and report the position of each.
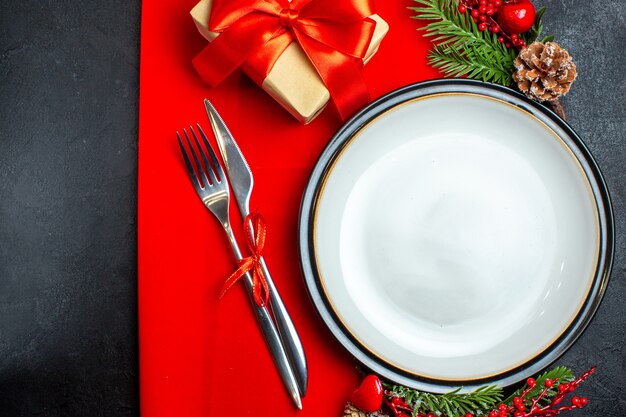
(428, 88)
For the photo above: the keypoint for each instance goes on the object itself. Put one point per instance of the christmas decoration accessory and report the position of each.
(488, 15)
(334, 37)
(369, 396)
(487, 40)
(544, 71)
(516, 16)
(405, 401)
(254, 225)
(460, 48)
(541, 397)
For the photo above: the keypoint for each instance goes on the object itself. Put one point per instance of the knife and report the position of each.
(242, 182)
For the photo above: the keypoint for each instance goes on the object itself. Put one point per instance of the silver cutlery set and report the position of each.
(212, 186)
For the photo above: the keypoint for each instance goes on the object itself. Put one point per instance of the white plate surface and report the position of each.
(456, 237)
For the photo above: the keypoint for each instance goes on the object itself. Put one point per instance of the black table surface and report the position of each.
(69, 85)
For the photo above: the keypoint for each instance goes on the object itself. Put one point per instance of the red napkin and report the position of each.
(200, 356)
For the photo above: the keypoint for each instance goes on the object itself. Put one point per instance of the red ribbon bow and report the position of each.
(334, 34)
(256, 242)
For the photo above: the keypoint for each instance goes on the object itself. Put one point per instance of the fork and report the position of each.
(242, 182)
(211, 184)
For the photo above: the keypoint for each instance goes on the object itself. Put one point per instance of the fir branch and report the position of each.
(486, 400)
(450, 27)
(477, 402)
(560, 375)
(473, 63)
(460, 48)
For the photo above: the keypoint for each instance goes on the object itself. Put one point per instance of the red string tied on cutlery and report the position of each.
(335, 36)
(255, 231)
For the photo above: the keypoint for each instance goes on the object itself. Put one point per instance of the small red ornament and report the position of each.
(369, 395)
(516, 16)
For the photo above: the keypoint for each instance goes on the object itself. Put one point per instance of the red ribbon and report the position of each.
(334, 34)
(255, 236)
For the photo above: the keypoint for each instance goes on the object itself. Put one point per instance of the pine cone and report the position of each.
(351, 411)
(544, 72)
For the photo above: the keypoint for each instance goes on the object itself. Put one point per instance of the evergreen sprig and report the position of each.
(559, 375)
(477, 402)
(460, 48)
(481, 401)
(473, 63)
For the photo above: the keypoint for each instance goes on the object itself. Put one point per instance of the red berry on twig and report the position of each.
(531, 382)
(548, 382)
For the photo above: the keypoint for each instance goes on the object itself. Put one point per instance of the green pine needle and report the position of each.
(560, 374)
(460, 48)
(477, 402)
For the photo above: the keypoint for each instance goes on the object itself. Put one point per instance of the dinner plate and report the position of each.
(455, 233)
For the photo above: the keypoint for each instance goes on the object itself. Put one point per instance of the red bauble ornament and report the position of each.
(516, 16)
(369, 396)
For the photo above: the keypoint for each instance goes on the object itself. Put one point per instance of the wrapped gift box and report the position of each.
(293, 81)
